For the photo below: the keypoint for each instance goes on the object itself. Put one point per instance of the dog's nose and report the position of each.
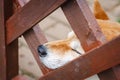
(42, 51)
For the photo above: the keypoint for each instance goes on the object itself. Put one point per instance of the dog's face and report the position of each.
(57, 53)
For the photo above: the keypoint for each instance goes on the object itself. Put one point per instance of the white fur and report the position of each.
(54, 61)
(77, 46)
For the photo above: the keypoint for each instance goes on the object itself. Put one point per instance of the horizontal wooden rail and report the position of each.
(95, 61)
(28, 16)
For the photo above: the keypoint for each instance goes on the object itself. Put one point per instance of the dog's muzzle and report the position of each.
(42, 51)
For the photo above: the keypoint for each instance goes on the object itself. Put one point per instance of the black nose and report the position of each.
(42, 51)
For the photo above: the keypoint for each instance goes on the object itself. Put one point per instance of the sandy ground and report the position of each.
(56, 24)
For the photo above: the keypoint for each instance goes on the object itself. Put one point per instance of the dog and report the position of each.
(57, 53)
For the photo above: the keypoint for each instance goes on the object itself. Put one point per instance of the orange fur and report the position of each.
(62, 46)
(99, 12)
(109, 28)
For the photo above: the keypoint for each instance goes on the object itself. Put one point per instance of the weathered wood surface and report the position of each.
(29, 15)
(86, 28)
(91, 63)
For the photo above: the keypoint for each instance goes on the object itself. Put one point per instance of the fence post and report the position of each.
(11, 54)
(2, 43)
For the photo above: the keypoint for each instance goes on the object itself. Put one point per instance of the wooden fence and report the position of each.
(16, 21)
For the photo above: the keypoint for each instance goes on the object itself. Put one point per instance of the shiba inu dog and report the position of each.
(57, 53)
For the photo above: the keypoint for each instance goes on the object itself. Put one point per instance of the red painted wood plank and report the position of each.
(11, 49)
(85, 26)
(2, 43)
(83, 23)
(7, 70)
(91, 63)
(29, 15)
(12, 60)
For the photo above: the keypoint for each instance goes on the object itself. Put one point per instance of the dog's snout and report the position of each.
(42, 51)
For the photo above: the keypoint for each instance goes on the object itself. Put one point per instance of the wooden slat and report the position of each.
(8, 53)
(12, 60)
(34, 38)
(29, 15)
(108, 74)
(91, 63)
(85, 26)
(117, 71)
(11, 49)
(2, 43)
(83, 23)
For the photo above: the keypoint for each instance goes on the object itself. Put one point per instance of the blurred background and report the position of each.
(53, 25)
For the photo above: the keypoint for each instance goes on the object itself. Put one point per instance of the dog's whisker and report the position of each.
(76, 51)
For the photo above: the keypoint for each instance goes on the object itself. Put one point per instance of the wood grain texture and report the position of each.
(29, 15)
(91, 63)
